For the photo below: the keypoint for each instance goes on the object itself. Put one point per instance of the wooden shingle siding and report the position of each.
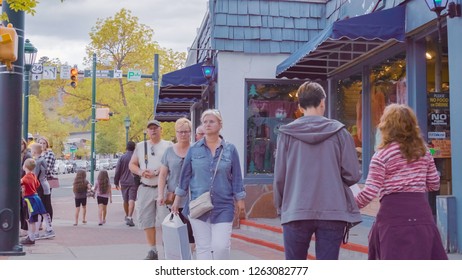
(242, 7)
(255, 21)
(254, 8)
(264, 26)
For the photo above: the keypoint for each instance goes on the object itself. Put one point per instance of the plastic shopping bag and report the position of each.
(175, 238)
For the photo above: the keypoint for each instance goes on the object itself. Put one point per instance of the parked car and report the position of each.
(70, 168)
(105, 164)
(98, 165)
(81, 164)
(114, 162)
(60, 167)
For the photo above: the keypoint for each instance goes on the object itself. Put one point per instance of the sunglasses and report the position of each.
(152, 151)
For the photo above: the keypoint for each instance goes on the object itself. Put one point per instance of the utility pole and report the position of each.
(93, 121)
(11, 89)
(155, 78)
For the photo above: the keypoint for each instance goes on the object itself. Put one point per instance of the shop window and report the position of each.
(270, 104)
(388, 85)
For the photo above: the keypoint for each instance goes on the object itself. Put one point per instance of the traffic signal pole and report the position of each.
(11, 88)
(155, 78)
(93, 121)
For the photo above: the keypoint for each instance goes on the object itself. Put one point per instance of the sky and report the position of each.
(60, 30)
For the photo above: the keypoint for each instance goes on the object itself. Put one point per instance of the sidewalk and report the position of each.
(112, 241)
(117, 241)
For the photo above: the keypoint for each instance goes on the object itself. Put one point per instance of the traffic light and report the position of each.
(8, 45)
(74, 77)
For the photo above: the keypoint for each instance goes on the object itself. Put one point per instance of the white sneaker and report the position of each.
(37, 236)
(48, 234)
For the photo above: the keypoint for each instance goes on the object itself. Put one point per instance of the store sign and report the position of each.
(439, 130)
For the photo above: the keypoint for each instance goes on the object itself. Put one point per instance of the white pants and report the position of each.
(213, 241)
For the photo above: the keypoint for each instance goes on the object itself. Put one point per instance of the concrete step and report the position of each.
(266, 233)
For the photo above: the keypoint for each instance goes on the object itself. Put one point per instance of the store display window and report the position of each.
(270, 104)
(388, 85)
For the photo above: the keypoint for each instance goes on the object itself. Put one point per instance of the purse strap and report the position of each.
(145, 151)
(216, 167)
(214, 173)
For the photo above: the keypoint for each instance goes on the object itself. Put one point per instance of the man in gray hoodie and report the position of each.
(316, 162)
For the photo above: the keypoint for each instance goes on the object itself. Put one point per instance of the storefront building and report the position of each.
(367, 54)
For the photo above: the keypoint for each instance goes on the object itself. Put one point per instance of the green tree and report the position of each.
(121, 42)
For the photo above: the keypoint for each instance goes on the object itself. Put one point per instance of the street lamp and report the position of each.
(438, 6)
(30, 52)
(127, 123)
(208, 70)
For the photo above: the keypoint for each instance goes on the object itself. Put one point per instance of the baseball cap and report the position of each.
(30, 136)
(154, 122)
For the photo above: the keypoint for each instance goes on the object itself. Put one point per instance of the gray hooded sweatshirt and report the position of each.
(315, 164)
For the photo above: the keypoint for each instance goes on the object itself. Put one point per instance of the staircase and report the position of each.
(268, 233)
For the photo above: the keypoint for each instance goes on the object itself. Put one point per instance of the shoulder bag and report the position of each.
(203, 203)
(136, 177)
(53, 181)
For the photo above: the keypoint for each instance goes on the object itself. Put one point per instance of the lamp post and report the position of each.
(127, 123)
(208, 70)
(30, 52)
(438, 6)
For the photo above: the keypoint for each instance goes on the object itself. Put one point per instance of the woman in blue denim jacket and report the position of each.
(212, 231)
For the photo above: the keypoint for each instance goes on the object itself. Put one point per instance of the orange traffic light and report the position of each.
(74, 77)
(8, 45)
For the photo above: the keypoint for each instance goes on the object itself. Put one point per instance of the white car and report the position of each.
(105, 164)
(60, 167)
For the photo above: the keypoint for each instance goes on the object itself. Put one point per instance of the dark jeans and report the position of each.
(46, 200)
(297, 237)
(23, 214)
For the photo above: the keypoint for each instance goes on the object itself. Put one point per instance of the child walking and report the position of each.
(103, 195)
(80, 187)
(29, 186)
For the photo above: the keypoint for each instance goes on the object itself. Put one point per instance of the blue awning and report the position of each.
(344, 41)
(186, 77)
(179, 90)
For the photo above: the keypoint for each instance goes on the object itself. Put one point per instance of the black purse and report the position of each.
(137, 177)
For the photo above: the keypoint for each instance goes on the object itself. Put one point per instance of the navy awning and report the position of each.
(344, 41)
(179, 90)
(186, 77)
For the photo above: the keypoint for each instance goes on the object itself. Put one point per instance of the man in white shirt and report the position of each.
(146, 162)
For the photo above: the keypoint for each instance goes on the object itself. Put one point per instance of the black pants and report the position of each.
(46, 200)
(23, 214)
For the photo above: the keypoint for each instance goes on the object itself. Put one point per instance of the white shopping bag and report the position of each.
(175, 238)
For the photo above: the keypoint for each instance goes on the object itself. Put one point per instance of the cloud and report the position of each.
(60, 30)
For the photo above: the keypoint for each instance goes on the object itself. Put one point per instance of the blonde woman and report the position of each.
(172, 162)
(401, 172)
(212, 230)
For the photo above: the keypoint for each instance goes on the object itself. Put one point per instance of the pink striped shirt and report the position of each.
(389, 172)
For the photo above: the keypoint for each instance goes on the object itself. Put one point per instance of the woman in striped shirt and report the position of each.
(400, 173)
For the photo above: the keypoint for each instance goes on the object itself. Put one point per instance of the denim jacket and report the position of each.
(197, 173)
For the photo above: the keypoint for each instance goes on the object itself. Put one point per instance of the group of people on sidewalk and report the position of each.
(316, 163)
(173, 174)
(35, 202)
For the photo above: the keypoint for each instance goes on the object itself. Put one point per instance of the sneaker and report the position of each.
(27, 241)
(126, 218)
(152, 255)
(48, 234)
(130, 222)
(37, 236)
